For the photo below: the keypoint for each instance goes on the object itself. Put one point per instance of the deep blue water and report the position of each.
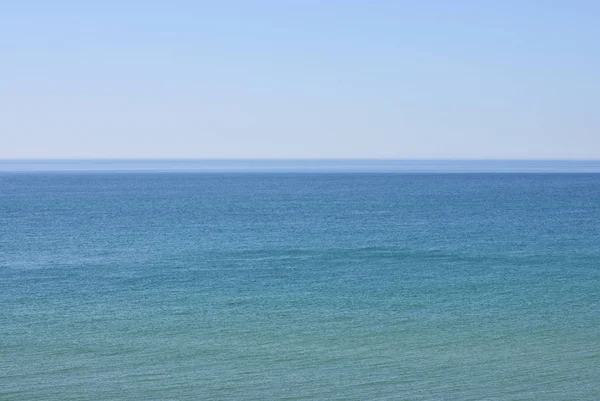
(299, 286)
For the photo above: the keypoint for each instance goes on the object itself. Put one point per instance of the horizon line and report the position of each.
(289, 159)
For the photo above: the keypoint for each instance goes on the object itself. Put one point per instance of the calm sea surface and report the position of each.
(299, 286)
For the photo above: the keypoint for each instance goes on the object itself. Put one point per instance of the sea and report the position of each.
(299, 280)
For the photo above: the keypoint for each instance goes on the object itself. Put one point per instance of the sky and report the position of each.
(297, 79)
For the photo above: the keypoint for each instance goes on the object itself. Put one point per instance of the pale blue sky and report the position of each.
(300, 79)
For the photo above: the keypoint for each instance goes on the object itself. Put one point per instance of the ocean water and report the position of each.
(299, 286)
(304, 166)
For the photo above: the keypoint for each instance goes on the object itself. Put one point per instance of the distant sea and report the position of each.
(299, 280)
(307, 166)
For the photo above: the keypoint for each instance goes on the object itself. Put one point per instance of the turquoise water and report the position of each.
(299, 286)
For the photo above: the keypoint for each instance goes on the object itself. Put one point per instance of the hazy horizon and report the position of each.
(288, 159)
(301, 166)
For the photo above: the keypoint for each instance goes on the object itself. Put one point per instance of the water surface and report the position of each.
(315, 286)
